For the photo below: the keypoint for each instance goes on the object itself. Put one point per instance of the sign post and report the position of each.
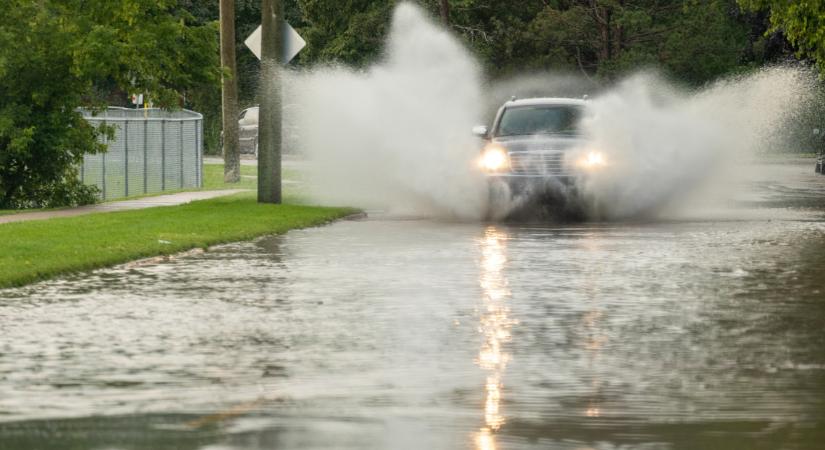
(274, 42)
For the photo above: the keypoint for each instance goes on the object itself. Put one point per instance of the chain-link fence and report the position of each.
(153, 151)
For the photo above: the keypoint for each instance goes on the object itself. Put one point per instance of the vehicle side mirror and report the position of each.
(480, 131)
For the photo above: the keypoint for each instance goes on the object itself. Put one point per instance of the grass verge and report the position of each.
(37, 250)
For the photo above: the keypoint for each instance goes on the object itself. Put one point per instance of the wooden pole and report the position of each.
(269, 119)
(229, 95)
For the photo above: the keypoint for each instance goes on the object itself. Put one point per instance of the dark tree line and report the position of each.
(691, 41)
(93, 52)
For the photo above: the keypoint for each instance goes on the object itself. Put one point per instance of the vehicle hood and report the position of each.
(539, 143)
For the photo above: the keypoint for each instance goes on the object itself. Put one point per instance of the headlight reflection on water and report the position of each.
(495, 324)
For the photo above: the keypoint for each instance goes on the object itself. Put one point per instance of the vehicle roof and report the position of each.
(545, 101)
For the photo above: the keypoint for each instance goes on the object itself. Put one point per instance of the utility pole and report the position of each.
(229, 95)
(269, 118)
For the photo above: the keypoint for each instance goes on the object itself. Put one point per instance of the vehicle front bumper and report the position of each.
(523, 184)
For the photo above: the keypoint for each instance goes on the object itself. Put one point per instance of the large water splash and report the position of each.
(665, 146)
(396, 136)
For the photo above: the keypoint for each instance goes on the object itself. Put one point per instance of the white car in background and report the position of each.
(248, 130)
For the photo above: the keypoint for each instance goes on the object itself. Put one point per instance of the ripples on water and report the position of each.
(413, 334)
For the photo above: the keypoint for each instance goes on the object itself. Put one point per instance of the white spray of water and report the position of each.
(665, 146)
(396, 136)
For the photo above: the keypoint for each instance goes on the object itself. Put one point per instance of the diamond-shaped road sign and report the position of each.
(293, 43)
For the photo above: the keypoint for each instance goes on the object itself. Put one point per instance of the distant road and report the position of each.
(293, 162)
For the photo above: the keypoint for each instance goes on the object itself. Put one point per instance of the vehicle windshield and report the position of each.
(556, 119)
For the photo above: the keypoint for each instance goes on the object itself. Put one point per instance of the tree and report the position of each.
(694, 40)
(801, 22)
(55, 54)
(351, 32)
(207, 99)
(706, 41)
(445, 11)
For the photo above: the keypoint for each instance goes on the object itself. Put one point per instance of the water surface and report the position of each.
(390, 333)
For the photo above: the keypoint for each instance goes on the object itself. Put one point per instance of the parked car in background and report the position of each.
(247, 131)
(819, 138)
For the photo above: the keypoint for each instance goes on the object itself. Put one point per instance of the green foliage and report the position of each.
(351, 32)
(54, 54)
(705, 42)
(694, 40)
(75, 52)
(802, 22)
(206, 99)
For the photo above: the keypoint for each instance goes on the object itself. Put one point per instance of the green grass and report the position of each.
(37, 250)
(213, 178)
(213, 181)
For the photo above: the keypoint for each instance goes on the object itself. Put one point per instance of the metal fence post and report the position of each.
(180, 132)
(103, 161)
(126, 158)
(103, 166)
(163, 154)
(145, 156)
(198, 155)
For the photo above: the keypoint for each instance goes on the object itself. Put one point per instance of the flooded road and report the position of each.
(411, 334)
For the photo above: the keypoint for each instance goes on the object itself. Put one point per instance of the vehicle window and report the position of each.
(252, 115)
(243, 113)
(523, 120)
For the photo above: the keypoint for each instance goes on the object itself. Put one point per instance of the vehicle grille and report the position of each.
(541, 163)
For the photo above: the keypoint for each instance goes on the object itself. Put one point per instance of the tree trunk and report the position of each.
(618, 33)
(445, 11)
(269, 117)
(604, 28)
(601, 15)
(229, 95)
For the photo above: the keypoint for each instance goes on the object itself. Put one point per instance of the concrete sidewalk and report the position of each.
(123, 205)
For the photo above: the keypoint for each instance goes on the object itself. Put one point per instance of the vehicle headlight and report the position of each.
(494, 159)
(593, 160)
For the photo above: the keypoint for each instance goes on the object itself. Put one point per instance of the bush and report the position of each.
(53, 54)
(66, 192)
